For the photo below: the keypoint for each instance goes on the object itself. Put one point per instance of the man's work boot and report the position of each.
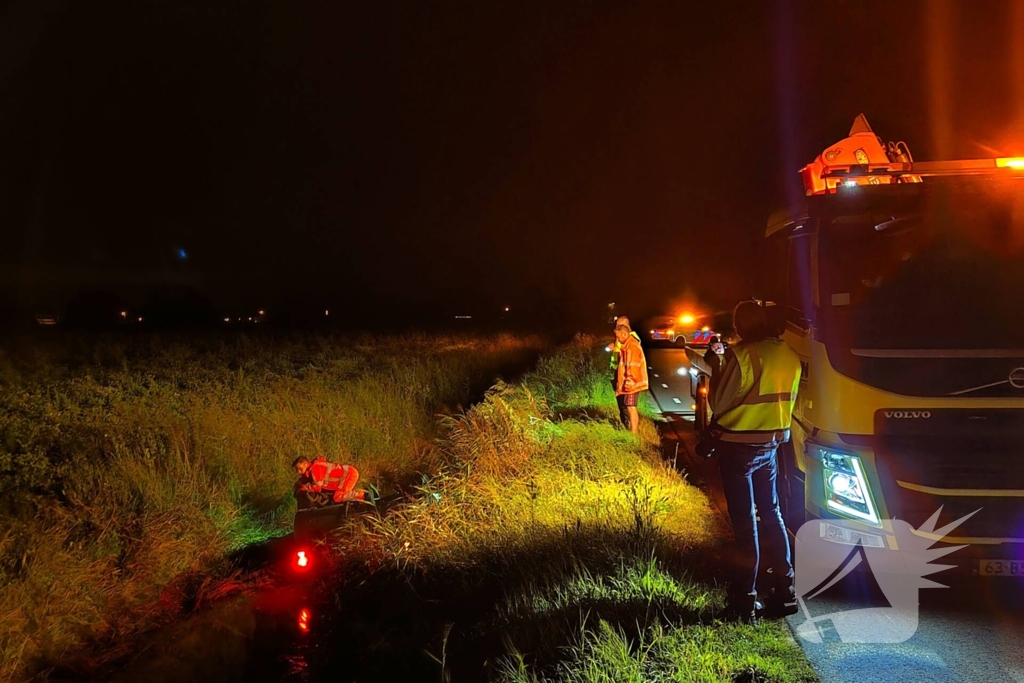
(743, 608)
(780, 602)
(372, 494)
(779, 610)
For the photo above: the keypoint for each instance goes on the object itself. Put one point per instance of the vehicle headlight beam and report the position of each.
(847, 492)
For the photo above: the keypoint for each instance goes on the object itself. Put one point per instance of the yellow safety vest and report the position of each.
(613, 362)
(769, 380)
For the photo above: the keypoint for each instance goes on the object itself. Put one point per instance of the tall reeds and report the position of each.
(129, 468)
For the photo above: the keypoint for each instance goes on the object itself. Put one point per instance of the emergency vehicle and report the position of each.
(688, 329)
(900, 284)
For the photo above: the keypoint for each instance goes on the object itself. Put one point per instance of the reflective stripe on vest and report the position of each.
(336, 474)
(335, 477)
(769, 380)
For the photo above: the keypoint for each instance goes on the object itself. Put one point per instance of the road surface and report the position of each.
(973, 631)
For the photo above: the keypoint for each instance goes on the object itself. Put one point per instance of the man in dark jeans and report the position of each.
(752, 399)
(748, 477)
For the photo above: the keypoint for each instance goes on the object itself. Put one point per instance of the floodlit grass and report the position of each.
(555, 546)
(633, 582)
(698, 654)
(666, 641)
(129, 467)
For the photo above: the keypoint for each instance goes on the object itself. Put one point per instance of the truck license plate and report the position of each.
(1001, 568)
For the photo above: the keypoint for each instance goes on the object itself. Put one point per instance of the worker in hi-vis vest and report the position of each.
(613, 368)
(324, 483)
(752, 398)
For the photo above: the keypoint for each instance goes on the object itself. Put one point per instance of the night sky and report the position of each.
(444, 158)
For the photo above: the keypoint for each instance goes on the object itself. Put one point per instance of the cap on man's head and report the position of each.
(622, 320)
(750, 321)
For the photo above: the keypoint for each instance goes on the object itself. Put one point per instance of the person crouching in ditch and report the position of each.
(631, 378)
(323, 483)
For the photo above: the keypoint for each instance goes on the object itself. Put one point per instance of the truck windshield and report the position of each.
(938, 269)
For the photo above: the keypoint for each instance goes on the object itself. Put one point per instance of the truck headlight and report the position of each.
(846, 488)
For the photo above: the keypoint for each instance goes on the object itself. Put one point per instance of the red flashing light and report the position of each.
(304, 617)
(301, 560)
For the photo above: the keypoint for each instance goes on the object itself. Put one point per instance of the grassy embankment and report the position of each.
(552, 546)
(129, 467)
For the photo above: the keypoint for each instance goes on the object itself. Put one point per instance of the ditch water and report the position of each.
(285, 631)
(385, 625)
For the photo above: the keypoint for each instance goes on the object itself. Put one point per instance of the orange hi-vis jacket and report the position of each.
(632, 373)
(327, 475)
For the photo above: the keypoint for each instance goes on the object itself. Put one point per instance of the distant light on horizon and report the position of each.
(261, 312)
(463, 317)
(506, 309)
(327, 312)
(182, 254)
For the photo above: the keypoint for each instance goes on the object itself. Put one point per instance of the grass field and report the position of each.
(551, 546)
(130, 466)
(545, 543)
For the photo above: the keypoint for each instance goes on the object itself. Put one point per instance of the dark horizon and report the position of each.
(392, 161)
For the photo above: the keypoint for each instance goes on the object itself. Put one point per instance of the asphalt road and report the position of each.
(973, 631)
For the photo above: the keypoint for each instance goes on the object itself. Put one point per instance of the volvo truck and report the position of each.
(900, 284)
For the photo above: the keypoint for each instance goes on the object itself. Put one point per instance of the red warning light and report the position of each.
(304, 616)
(301, 560)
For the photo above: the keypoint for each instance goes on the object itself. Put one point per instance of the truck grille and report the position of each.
(953, 449)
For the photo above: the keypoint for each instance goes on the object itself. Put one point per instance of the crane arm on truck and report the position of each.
(862, 159)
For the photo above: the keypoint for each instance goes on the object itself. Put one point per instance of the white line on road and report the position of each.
(657, 375)
(676, 399)
(664, 386)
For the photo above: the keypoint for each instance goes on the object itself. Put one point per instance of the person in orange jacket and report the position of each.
(631, 379)
(613, 366)
(322, 483)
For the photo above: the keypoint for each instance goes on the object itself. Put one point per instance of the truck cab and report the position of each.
(899, 285)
